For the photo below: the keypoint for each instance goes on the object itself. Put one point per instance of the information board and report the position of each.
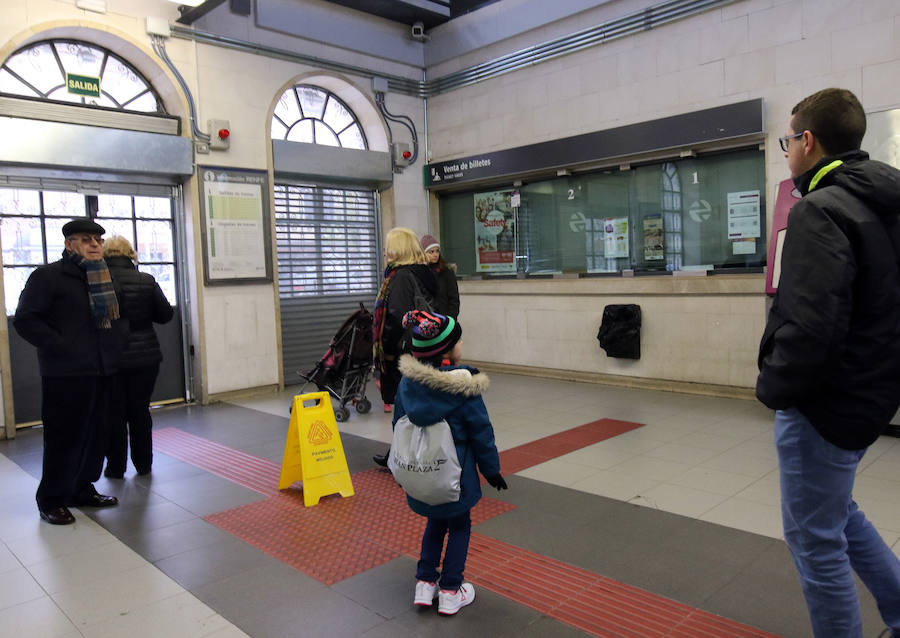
(236, 225)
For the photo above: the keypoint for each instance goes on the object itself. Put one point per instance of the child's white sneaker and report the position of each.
(450, 602)
(425, 593)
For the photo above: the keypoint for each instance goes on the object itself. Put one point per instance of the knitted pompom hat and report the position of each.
(428, 241)
(432, 334)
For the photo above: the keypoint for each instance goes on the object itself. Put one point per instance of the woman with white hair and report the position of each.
(142, 303)
(406, 278)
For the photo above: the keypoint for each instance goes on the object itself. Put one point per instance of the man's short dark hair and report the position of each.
(835, 117)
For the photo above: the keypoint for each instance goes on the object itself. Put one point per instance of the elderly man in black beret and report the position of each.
(69, 311)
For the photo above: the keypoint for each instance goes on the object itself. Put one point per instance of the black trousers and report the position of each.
(130, 420)
(389, 381)
(76, 429)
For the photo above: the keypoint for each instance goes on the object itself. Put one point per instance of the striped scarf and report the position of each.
(101, 294)
(379, 321)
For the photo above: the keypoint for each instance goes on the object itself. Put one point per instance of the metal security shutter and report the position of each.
(328, 257)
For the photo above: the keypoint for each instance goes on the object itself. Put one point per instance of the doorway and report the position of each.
(31, 219)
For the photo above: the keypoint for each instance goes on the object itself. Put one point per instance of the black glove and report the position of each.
(497, 481)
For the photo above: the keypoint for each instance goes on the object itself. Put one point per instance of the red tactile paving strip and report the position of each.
(550, 447)
(252, 472)
(339, 538)
(593, 603)
(351, 535)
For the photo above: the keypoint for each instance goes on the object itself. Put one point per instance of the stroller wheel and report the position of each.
(363, 405)
(341, 414)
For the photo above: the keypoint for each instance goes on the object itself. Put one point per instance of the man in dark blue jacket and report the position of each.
(69, 311)
(830, 358)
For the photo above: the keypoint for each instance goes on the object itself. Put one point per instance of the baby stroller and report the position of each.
(344, 369)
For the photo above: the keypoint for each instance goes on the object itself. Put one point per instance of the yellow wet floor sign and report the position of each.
(313, 452)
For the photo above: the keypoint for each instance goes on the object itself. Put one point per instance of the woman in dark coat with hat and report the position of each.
(143, 304)
(447, 300)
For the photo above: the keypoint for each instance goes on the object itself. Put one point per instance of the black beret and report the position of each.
(82, 225)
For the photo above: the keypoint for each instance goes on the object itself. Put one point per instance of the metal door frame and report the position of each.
(34, 181)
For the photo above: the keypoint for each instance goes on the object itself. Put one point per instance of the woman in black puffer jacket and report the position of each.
(407, 282)
(406, 277)
(142, 303)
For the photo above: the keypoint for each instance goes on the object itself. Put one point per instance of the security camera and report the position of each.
(418, 32)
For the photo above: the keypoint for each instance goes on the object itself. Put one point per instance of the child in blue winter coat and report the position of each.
(427, 394)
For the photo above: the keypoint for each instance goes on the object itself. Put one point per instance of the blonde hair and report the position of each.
(118, 246)
(401, 248)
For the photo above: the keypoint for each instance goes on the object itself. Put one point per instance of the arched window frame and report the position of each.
(282, 127)
(123, 103)
(671, 210)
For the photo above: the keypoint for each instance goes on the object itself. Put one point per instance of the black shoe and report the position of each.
(58, 516)
(381, 459)
(143, 472)
(113, 475)
(97, 500)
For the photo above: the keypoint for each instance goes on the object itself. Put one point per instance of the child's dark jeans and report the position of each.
(460, 529)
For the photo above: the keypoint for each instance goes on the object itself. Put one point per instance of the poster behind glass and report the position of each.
(495, 232)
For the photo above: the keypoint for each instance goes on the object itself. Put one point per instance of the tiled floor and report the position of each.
(683, 508)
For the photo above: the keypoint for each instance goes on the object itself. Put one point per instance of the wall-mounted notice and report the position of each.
(495, 232)
(743, 246)
(615, 237)
(743, 215)
(653, 238)
(882, 140)
(236, 233)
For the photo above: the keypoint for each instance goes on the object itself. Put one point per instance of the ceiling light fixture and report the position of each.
(188, 3)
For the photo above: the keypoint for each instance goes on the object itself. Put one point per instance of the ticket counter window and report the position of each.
(698, 213)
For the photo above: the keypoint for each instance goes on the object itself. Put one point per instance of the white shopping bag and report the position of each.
(423, 461)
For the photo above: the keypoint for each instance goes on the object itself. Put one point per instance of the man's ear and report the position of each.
(811, 146)
(809, 140)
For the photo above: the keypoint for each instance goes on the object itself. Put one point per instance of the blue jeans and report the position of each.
(828, 535)
(460, 529)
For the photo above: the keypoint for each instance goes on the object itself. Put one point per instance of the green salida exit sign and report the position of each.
(82, 85)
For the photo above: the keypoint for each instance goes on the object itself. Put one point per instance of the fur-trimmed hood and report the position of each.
(426, 395)
(430, 394)
(463, 380)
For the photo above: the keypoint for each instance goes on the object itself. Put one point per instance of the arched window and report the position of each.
(45, 70)
(307, 113)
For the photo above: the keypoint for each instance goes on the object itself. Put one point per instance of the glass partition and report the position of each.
(697, 213)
